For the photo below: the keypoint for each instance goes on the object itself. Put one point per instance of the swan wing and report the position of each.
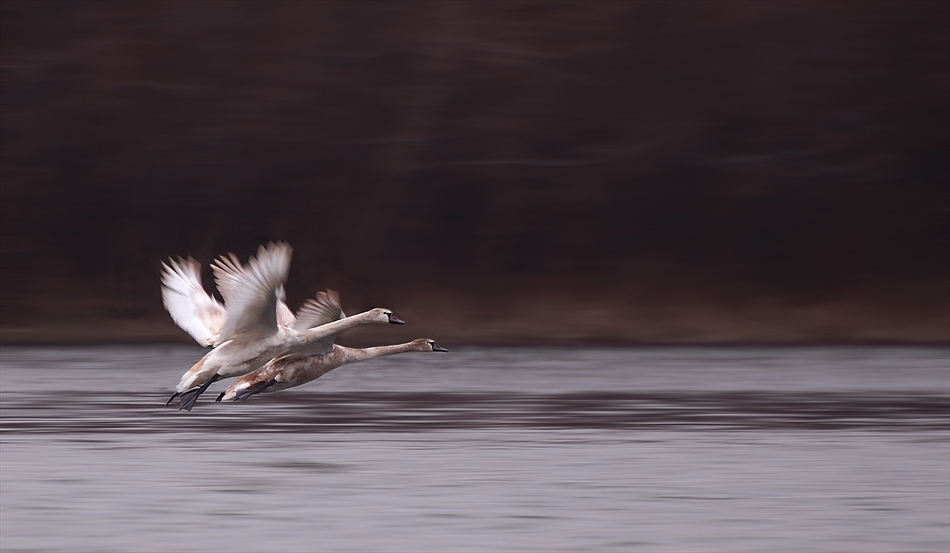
(186, 300)
(252, 309)
(322, 346)
(323, 309)
(228, 274)
(285, 317)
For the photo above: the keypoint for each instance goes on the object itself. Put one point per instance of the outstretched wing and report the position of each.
(193, 309)
(252, 307)
(228, 274)
(323, 309)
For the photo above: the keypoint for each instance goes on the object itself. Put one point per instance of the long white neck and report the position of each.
(355, 355)
(329, 329)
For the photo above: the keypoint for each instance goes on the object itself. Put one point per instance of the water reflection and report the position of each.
(419, 412)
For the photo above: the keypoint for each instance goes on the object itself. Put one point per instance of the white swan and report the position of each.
(283, 373)
(249, 335)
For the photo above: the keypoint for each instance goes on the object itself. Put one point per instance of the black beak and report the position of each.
(394, 320)
(437, 347)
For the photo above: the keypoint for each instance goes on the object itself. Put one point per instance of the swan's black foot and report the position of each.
(255, 388)
(188, 398)
(220, 396)
(176, 394)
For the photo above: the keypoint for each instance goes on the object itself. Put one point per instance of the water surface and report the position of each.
(495, 449)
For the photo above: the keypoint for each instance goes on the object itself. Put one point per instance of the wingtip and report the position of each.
(274, 246)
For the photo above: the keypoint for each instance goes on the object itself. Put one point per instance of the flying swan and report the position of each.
(290, 371)
(246, 335)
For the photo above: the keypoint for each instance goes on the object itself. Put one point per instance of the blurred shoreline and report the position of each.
(539, 322)
(495, 172)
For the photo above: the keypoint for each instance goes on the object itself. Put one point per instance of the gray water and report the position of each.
(580, 450)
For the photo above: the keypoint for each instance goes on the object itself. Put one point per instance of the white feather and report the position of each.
(228, 274)
(193, 309)
(252, 308)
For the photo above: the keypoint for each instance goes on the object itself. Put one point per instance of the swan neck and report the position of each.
(335, 327)
(355, 355)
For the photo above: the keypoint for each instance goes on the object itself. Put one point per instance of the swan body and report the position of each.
(283, 373)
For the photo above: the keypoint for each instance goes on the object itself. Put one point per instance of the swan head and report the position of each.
(425, 344)
(383, 315)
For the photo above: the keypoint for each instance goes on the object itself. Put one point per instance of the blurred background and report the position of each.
(496, 172)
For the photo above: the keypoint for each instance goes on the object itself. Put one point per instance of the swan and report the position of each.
(283, 373)
(249, 335)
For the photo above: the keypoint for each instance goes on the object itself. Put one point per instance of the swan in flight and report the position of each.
(283, 373)
(248, 335)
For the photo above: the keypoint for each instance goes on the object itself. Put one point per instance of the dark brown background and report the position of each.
(495, 172)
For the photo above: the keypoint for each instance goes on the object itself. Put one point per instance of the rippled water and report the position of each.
(626, 450)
